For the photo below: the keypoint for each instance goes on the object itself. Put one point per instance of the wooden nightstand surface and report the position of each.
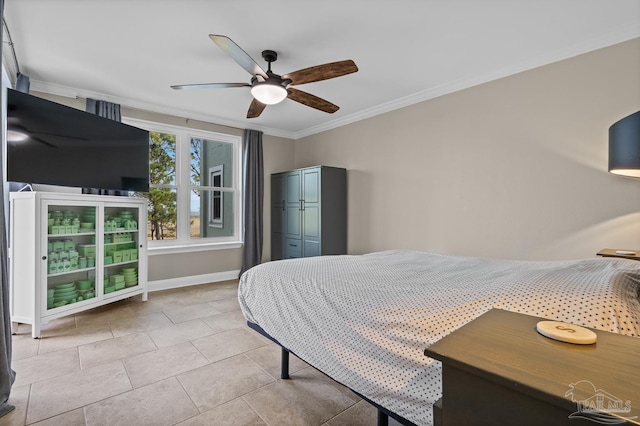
(612, 253)
(505, 349)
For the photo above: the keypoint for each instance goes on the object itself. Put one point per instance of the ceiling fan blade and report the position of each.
(209, 86)
(238, 55)
(255, 109)
(321, 72)
(32, 135)
(44, 142)
(311, 100)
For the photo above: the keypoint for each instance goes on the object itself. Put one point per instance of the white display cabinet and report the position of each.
(73, 252)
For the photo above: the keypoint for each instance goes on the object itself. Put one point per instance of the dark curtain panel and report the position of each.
(111, 111)
(104, 109)
(253, 197)
(23, 83)
(7, 375)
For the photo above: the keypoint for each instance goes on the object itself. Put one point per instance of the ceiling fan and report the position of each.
(269, 88)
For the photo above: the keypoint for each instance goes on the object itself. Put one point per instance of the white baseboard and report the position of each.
(192, 280)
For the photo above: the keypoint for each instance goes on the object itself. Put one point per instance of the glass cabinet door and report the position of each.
(70, 254)
(121, 238)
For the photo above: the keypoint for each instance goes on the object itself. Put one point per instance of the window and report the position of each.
(194, 192)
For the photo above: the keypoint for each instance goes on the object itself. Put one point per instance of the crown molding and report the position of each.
(619, 36)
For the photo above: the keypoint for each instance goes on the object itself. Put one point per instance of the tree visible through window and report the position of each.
(162, 207)
(194, 195)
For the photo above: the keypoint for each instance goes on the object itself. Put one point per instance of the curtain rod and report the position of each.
(10, 43)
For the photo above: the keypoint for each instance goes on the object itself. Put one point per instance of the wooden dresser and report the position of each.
(630, 254)
(498, 370)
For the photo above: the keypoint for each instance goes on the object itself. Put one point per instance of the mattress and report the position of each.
(365, 320)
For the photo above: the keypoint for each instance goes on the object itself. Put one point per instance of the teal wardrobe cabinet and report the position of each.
(308, 212)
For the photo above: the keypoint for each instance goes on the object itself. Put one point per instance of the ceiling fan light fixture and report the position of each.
(269, 93)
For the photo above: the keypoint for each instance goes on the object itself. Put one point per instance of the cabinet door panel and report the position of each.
(122, 241)
(311, 248)
(71, 253)
(277, 246)
(277, 219)
(293, 204)
(311, 186)
(311, 221)
(278, 213)
(277, 189)
(311, 213)
(293, 221)
(293, 188)
(278, 206)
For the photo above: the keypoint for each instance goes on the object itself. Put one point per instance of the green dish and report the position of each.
(58, 304)
(68, 299)
(65, 286)
(85, 284)
(65, 296)
(64, 291)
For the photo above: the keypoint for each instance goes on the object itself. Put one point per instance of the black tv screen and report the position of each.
(50, 143)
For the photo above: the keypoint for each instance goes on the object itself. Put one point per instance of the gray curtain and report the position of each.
(7, 375)
(104, 109)
(253, 172)
(22, 83)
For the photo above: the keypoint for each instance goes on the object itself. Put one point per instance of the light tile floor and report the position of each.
(184, 357)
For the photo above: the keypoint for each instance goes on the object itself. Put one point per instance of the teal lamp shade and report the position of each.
(624, 146)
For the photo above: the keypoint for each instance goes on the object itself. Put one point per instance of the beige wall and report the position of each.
(515, 168)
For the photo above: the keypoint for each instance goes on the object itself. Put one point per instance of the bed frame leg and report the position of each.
(284, 364)
(383, 418)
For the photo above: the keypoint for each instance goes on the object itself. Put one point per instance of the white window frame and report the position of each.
(183, 242)
(213, 221)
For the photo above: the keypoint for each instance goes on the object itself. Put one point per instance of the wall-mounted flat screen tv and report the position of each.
(53, 144)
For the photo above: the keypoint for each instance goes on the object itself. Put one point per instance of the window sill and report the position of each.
(155, 251)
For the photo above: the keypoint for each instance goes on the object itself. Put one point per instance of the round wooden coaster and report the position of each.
(565, 332)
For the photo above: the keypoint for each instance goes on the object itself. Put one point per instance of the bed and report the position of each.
(365, 320)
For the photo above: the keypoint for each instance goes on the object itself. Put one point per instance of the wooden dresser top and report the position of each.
(505, 347)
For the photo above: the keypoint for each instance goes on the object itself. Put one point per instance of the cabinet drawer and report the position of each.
(292, 248)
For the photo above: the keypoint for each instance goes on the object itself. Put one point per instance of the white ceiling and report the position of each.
(407, 51)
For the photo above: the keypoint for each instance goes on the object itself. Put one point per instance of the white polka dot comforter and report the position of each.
(366, 320)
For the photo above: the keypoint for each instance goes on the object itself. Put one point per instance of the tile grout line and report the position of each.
(254, 410)
(275, 379)
(190, 399)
